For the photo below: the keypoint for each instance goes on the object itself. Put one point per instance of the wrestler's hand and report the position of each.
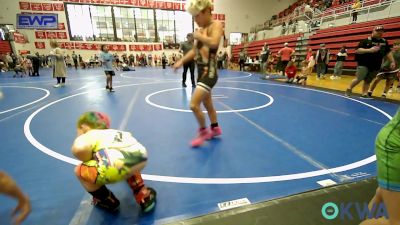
(177, 65)
(198, 33)
(22, 210)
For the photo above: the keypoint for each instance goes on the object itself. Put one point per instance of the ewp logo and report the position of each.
(37, 21)
(331, 211)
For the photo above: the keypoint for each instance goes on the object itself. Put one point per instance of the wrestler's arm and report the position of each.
(82, 148)
(214, 39)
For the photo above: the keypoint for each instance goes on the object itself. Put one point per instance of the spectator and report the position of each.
(264, 54)
(270, 65)
(294, 26)
(386, 72)
(59, 67)
(164, 60)
(369, 55)
(75, 59)
(340, 58)
(302, 78)
(242, 59)
(184, 48)
(356, 6)
(322, 60)
(290, 72)
(35, 64)
(286, 54)
(283, 28)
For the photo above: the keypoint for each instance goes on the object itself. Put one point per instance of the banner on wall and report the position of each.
(62, 35)
(36, 6)
(47, 6)
(40, 45)
(145, 47)
(37, 21)
(24, 52)
(19, 38)
(140, 3)
(58, 7)
(24, 6)
(40, 34)
(61, 26)
(51, 35)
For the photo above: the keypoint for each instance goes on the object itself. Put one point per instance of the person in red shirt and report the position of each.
(286, 54)
(290, 72)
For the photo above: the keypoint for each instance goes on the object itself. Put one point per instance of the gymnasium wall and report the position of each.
(240, 15)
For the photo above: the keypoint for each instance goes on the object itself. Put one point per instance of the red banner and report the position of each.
(143, 3)
(51, 35)
(169, 5)
(61, 26)
(62, 35)
(124, 2)
(133, 2)
(24, 6)
(152, 4)
(221, 16)
(58, 7)
(40, 34)
(94, 46)
(177, 6)
(47, 6)
(19, 38)
(157, 47)
(40, 45)
(24, 52)
(36, 6)
(78, 45)
(160, 5)
(69, 45)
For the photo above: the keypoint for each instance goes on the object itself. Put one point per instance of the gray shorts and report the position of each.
(363, 73)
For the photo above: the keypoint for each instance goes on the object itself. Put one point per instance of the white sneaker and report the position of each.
(390, 90)
(333, 77)
(57, 85)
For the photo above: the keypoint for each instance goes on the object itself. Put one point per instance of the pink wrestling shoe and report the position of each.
(202, 135)
(214, 132)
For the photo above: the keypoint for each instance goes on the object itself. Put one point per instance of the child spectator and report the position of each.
(290, 72)
(302, 78)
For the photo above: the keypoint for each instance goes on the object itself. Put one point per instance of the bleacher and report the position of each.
(351, 35)
(275, 44)
(5, 47)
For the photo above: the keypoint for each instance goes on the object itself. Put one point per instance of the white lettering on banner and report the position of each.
(233, 203)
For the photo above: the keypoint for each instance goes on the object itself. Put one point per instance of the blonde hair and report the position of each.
(194, 7)
(53, 42)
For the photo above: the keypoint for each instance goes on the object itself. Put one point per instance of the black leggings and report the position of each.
(189, 66)
(62, 79)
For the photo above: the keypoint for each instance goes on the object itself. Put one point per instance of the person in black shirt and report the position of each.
(184, 48)
(369, 55)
